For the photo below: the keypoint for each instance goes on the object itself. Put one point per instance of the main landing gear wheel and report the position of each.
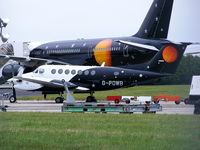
(117, 101)
(91, 99)
(12, 99)
(177, 102)
(59, 99)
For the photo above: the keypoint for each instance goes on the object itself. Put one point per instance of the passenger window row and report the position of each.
(73, 72)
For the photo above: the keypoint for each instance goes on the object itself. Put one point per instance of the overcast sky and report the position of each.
(49, 20)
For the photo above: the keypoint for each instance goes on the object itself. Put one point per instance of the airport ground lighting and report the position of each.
(3, 24)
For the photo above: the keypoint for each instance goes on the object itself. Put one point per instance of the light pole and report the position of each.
(3, 24)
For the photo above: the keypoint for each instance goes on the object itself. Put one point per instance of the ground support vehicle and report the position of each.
(167, 98)
(12, 95)
(194, 95)
(2, 98)
(146, 99)
(128, 99)
(108, 107)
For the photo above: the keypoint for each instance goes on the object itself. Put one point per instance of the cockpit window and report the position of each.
(41, 70)
(36, 71)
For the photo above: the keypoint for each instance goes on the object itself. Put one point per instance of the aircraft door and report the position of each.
(125, 51)
(90, 52)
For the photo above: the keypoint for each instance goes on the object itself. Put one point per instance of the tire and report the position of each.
(12, 99)
(116, 101)
(91, 99)
(156, 102)
(177, 102)
(62, 100)
(128, 101)
(186, 101)
(59, 100)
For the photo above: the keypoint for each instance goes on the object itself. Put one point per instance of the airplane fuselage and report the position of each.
(91, 78)
(96, 51)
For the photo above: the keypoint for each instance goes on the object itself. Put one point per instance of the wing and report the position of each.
(47, 82)
(31, 62)
(139, 47)
(41, 81)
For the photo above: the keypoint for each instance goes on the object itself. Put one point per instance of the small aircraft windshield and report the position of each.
(36, 71)
(41, 70)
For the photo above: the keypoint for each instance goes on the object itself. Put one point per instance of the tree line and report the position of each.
(189, 66)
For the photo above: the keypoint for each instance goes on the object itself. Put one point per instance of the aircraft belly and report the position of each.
(25, 85)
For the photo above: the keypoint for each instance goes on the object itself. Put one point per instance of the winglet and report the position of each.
(103, 64)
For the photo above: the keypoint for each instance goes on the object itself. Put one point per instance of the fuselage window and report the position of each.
(67, 71)
(86, 72)
(93, 72)
(53, 71)
(73, 72)
(60, 71)
(80, 72)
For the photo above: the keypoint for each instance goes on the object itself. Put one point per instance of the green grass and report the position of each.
(53, 131)
(176, 90)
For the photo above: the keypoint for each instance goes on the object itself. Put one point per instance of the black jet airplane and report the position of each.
(120, 51)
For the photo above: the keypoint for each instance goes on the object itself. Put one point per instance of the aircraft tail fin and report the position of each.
(167, 59)
(156, 23)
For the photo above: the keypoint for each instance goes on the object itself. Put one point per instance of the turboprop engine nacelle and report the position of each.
(9, 70)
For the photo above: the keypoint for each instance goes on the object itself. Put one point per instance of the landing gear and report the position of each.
(13, 97)
(177, 102)
(91, 98)
(59, 99)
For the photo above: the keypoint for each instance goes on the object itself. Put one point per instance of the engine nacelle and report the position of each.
(9, 70)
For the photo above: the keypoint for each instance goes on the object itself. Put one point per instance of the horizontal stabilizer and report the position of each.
(167, 59)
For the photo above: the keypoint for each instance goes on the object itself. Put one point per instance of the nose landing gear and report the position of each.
(91, 98)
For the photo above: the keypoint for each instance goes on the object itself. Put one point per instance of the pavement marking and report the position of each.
(51, 106)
